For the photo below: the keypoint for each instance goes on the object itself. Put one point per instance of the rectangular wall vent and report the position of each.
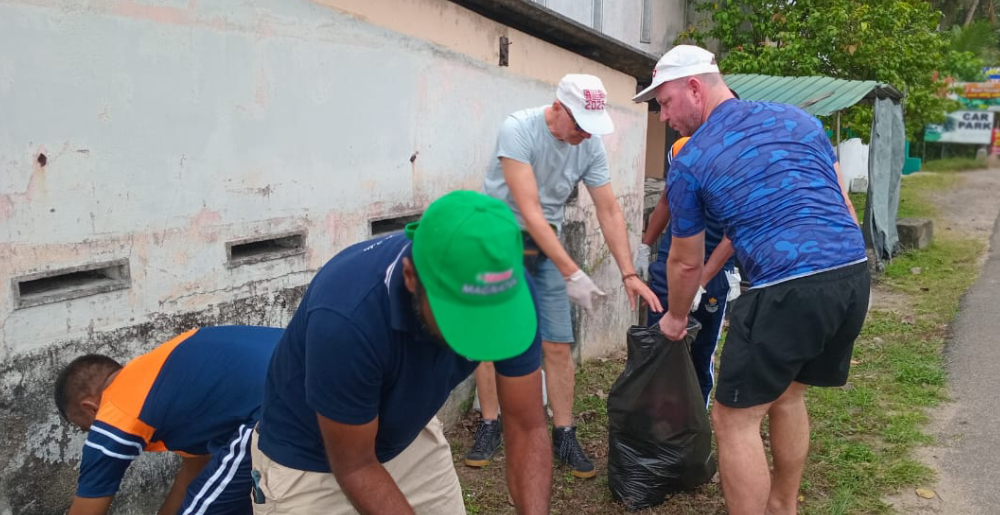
(387, 225)
(70, 283)
(255, 250)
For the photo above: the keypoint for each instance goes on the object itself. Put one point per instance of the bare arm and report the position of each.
(350, 449)
(684, 268)
(658, 221)
(609, 215)
(717, 260)
(843, 189)
(520, 178)
(90, 505)
(190, 468)
(529, 471)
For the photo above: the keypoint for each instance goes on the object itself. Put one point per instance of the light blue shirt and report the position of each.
(558, 166)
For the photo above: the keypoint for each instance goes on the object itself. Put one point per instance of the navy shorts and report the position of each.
(224, 485)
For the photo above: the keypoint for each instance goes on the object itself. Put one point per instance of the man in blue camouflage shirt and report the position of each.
(768, 174)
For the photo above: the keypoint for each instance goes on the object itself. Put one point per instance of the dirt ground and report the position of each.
(970, 209)
(967, 210)
(486, 488)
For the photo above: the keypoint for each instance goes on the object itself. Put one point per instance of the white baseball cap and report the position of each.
(586, 99)
(681, 61)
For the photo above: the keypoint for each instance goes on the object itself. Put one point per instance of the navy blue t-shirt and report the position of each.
(766, 172)
(187, 395)
(355, 350)
(713, 237)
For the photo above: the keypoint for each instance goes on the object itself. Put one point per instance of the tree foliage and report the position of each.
(978, 38)
(963, 12)
(893, 41)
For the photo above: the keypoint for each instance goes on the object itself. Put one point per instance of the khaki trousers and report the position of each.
(424, 472)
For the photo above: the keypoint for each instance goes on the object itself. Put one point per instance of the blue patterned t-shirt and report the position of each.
(765, 171)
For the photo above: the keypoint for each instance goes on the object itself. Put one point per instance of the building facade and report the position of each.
(168, 164)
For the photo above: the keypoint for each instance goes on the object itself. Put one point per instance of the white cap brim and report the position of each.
(595, 123)
(647, 94)
(666, 75)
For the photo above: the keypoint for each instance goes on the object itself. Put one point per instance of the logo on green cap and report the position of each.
(491, 283)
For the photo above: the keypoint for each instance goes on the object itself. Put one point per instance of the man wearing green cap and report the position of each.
(385, 331)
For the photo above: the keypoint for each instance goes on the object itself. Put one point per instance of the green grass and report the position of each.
(953, 164)
(862, 435)
(859, 200)
(914, 191)
(945, 270)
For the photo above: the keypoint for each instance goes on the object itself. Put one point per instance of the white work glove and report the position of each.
(642, 261)
(581, 290)
(696, 303)
(734, 280)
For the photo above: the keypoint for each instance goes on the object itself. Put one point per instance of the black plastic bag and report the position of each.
(660, 437)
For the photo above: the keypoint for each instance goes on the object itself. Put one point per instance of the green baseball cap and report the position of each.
(468, 252)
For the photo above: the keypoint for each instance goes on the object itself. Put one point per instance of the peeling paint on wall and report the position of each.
(39, 452)
(171, 127)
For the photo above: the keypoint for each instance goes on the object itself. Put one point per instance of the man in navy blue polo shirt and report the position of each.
(385, 331)
(768, 174)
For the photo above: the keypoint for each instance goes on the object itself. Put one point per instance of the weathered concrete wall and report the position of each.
(582, 11)
(39, 453)
(622, 20)
(170, 128)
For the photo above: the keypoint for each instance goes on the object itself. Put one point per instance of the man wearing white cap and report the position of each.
(541, 155)
(768, 174)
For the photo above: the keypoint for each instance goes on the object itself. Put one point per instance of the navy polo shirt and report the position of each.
(355, 350)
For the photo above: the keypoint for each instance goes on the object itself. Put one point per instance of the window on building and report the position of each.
(646, 22)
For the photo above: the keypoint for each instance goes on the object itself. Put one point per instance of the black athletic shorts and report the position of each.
(799, 330)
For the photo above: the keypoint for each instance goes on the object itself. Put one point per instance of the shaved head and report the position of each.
(84, 377)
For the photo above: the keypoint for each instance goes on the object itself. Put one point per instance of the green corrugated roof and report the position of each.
(818, 96)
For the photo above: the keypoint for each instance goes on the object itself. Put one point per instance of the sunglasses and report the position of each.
(576, 125)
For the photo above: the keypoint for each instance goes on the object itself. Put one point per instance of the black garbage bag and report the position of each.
(659, 434)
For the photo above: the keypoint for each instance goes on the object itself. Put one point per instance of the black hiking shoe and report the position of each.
(489, 438)
(566, 449)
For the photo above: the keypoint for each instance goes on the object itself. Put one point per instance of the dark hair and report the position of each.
(419, 292)
(83, 376)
